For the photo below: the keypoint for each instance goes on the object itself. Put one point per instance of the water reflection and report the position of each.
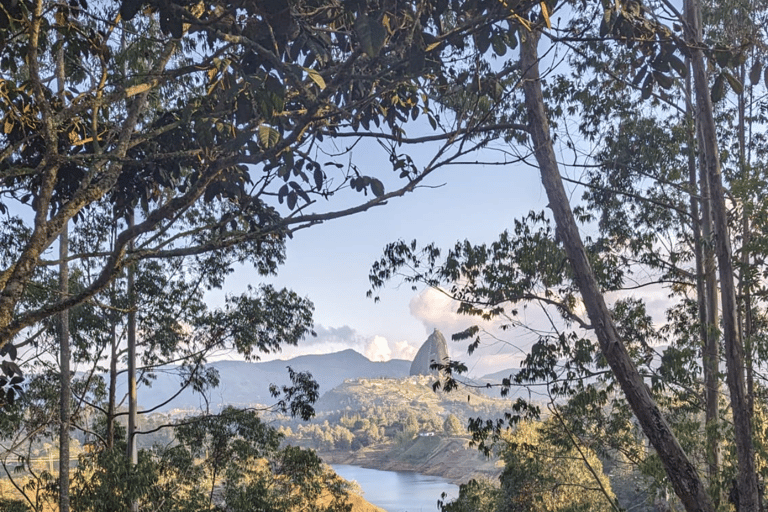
(399, 491)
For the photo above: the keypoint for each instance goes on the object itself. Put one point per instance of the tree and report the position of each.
(206, 119)
(557, 268)
(452, 425)
(540, 474)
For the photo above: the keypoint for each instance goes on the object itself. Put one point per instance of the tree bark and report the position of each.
(65, 377)
(706, 293)
(734, 350)
(681, 472)
(112, 400)
(65, 412)
(133, 453)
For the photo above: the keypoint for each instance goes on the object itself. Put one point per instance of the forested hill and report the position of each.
(243, 383)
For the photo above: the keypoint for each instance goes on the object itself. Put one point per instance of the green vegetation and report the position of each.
(365, 412)
(539, 476)
(159, 143)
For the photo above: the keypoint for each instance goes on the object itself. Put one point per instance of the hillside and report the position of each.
(449, 457)
(412, 393)
(400, 425)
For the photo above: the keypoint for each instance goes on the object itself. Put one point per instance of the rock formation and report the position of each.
(434, 350)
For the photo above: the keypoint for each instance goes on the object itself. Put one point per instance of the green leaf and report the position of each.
(722, 56)
(482, 41)
(370, 33)
(499, 47)
(754, 72)
(316, 77)
(512, 40)
(734, 82)
(647, 86)
(129, 8)
(718, 89)
(268, 136)
(678, 65)
(377, 187)
(606, 24)
(663, 80)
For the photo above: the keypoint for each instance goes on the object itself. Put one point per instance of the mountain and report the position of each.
(434, 350)
(243, 383)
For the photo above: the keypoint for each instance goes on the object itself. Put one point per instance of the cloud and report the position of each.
(336, 339)
(378, 349)
(404, 350)
(436, 310)
(500, 349)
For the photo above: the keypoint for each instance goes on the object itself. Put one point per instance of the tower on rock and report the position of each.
(434, 350)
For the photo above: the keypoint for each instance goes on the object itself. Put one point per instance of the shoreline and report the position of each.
(448, 458)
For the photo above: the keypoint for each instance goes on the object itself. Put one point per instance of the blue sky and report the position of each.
(329, 263)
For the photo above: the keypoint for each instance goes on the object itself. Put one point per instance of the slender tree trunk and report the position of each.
(711, 351)
(744, 280)
(64, 352)
(64, 356)
(734, 350)
(112, 399)
(681, 472)
(706, 293)
(133, 454)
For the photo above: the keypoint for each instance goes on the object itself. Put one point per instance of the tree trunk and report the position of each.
(734, 351)
(133, 454)
(112, 400)
(706, 293)
(681, 472)
(64, 349)
(64, 356)
(745, 286)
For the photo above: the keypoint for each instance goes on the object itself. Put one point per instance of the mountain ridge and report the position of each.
(243, 383)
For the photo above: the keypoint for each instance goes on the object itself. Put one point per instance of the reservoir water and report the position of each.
(399, 491)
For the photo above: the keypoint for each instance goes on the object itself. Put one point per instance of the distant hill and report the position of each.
(243, 383)
(535, 392)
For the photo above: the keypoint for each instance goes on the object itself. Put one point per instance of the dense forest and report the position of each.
(149, 146)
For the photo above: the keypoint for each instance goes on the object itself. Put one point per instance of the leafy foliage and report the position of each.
(540, 474)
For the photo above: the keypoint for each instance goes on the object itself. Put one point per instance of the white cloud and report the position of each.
(378, 349)
(404, 350)
(438, 311)
(500, 349)
(336, 339)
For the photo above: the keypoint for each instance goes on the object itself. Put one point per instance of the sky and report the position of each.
(329, 263)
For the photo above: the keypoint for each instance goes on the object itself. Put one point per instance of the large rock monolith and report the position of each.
(434, 350)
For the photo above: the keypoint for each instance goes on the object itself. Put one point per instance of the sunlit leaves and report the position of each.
(268, 136)
(316, 77)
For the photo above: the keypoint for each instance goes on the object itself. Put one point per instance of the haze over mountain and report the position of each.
(246, 384)
(243, 383)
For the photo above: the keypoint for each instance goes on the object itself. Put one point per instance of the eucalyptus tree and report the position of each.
(554, 266)
(208, 118)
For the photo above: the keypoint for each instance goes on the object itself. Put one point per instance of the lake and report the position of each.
(399, 491)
